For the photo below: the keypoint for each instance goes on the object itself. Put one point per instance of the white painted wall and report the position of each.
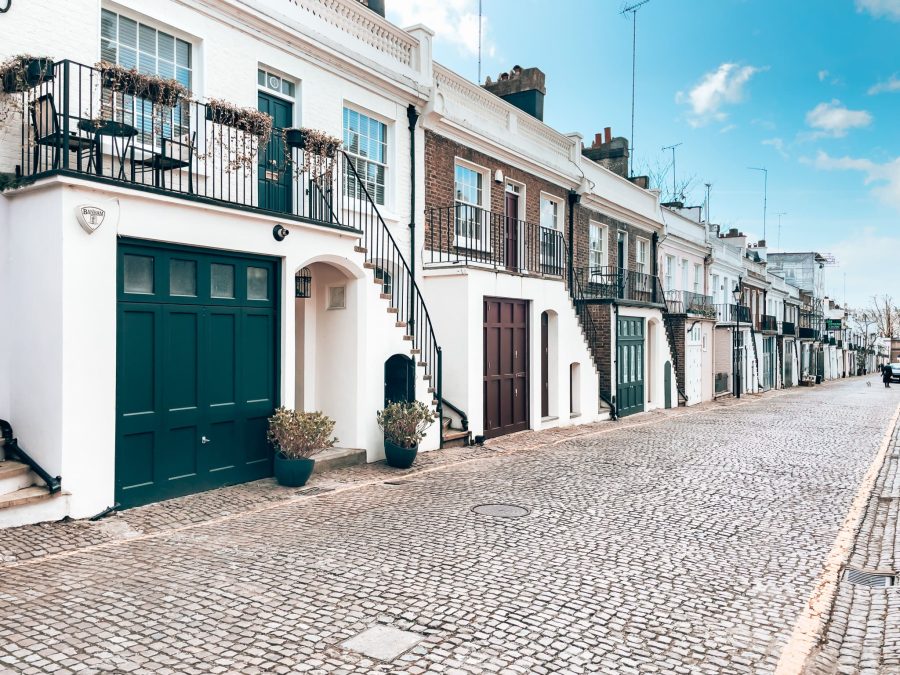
(5, 306)
(457, 298)
(63, 289)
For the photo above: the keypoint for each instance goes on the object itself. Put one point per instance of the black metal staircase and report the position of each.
(398, 285)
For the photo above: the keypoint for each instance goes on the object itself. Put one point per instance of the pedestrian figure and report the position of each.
(886, 376)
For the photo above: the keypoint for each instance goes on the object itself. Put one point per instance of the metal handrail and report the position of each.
(463, 417)
(383, 253)
(11, 445)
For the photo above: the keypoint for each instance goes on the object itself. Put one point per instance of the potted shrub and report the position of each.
(404, 425)
(294, 138)
(23, 71)
(298, 436)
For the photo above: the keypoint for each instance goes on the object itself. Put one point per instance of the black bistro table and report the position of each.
(121, 136)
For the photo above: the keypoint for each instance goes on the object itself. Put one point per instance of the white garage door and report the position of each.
(693, 372)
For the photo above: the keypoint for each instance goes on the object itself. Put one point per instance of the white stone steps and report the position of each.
(14, 476)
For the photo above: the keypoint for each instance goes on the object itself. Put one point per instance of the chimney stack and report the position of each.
(609, 152)
(524, 88)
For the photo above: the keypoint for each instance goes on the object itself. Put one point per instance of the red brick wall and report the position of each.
(584, 215)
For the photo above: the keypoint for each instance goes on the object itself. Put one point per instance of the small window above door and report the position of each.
(276, 83)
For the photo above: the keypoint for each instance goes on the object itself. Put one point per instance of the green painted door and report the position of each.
(196, 370)
(630, 365)
(274, 175)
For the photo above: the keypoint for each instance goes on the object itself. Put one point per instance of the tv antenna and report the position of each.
(765, 192)
(779, 214)
(633, 10)
(479, 42)
(674, 188)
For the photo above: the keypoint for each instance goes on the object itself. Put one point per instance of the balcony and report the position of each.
(808, 333)
(768, 323)
(84, 122)
(613, 283)
(732, 314)
(788, 328)
(469, 235)
(686, 302)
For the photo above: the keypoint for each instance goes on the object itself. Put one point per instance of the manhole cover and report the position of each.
(501, 510)
(870, 579)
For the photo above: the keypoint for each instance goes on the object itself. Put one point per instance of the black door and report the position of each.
(399, 379)
(505, 366)
(274, 178)
(512, 231)
(196, 376)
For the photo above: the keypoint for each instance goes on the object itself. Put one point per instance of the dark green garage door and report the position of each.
(196, 370)
(630, 365)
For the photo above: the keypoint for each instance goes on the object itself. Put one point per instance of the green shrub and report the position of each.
(300, 434)
(405, 424)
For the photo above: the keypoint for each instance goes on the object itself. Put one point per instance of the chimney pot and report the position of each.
(598, 140)
(608, 133)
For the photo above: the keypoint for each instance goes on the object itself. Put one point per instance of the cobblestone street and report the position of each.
(688, 541)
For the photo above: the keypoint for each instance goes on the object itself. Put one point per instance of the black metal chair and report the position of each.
(48, 133)
(174, 154)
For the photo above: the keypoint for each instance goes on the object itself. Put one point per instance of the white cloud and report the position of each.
(778, 144)
(833, 119)
(717, 88)
(892, 84)
(454, 21)
(879, 8)
(822, 75)
(885, 177)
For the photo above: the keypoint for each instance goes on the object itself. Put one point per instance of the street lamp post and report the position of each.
(736, 355)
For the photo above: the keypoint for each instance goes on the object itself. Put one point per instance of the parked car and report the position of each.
(895, 371)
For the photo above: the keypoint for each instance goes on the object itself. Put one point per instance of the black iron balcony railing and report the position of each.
(81, 121)
(469, 235)
(613, 283)
(768, 323)
(732, 313)
(808, 333)
(688, 302)
(788, 328)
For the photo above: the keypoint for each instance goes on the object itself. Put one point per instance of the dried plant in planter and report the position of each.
(319, 150)
(162, 91)
(405, 424)
(300, 435)
(19, 74)
(257, 125)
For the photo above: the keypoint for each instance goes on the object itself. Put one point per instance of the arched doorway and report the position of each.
(399, 379)
(326, 346)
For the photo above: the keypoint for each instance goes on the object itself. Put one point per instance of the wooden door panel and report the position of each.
(630, 366)
(506, 379)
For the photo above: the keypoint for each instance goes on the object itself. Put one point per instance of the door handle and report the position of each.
(204, 440)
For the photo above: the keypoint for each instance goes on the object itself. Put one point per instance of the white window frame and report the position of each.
(670, 272)
(698, 278)
(485, 241)
(548, 241)
(603, 240)
(642, 255)
(388, 144)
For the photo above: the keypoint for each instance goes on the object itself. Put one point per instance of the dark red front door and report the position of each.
(512, 231)
(505, 366)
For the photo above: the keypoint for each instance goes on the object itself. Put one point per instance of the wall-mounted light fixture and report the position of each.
(280, 232)
(498, 176)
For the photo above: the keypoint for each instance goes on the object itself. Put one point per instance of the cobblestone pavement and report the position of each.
(863, 631)
(684, 541)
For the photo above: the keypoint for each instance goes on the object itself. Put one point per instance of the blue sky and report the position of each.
(809, 89)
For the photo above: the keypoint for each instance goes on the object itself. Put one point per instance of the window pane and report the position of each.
(128, 32)
(147, 40)
(261, 77)
(257, 283)
(221, 281)
(108, 24)
(183, 277)
(183, 53)
(137, 274)
(166, 47)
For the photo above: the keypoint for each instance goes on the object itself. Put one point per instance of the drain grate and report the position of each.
(401, 481)
(870, 579)
(313, 491)
(501, 510)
